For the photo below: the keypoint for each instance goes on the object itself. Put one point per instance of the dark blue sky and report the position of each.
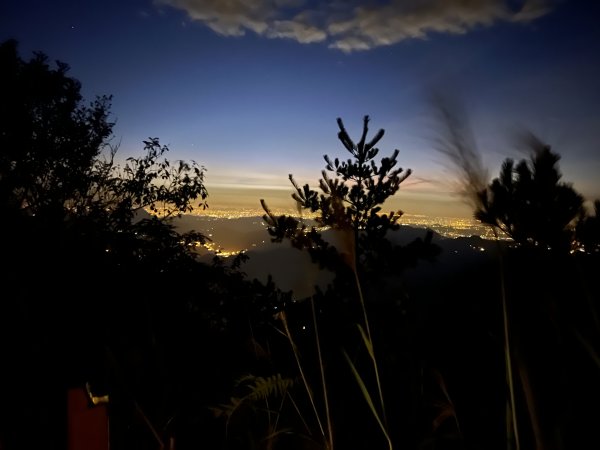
(252, 92)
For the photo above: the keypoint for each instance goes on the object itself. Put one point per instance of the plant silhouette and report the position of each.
(546, 290)
(92, 259)
(530, 203)
(350, 204)
(353, 239)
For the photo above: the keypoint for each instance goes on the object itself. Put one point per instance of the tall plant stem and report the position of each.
(507, 347)
(322, 370)
(368, 330)
(304, 380)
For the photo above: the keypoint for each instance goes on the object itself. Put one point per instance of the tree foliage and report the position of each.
(353, 193)
(49, 140)
(59, 180)
(97, 271)
(530, 203)
(352, 238)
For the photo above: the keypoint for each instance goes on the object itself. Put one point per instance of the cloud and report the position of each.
(353, 25)
(531, 10)
(304, 33)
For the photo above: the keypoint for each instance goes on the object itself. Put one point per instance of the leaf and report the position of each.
(367, 342)
(367, 397)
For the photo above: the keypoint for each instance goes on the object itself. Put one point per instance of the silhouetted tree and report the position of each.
(530, 204)
(83, 260)
(549, 298)
(57, 170)
(99, 284)
(350, 204)
(49, 139)
(351, 238)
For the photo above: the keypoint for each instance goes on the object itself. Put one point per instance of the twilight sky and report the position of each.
(252, 89)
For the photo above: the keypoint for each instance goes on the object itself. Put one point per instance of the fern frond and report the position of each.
(262, 388)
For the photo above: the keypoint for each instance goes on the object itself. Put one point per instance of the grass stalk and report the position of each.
(588, 347)
(322, 370)
(302, 375)
(151, 427)
(369, 400)
(370, 345)
(299, 414)
(507, 346)
(529, 398)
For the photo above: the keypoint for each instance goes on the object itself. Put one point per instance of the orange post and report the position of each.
(87, 423)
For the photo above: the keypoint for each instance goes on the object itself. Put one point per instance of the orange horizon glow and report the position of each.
(415, 202)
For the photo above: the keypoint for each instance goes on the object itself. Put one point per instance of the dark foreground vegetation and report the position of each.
(100, 290)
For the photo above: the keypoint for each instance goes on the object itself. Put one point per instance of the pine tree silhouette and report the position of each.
(530, 203)
(353, 192)
(353, 239)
